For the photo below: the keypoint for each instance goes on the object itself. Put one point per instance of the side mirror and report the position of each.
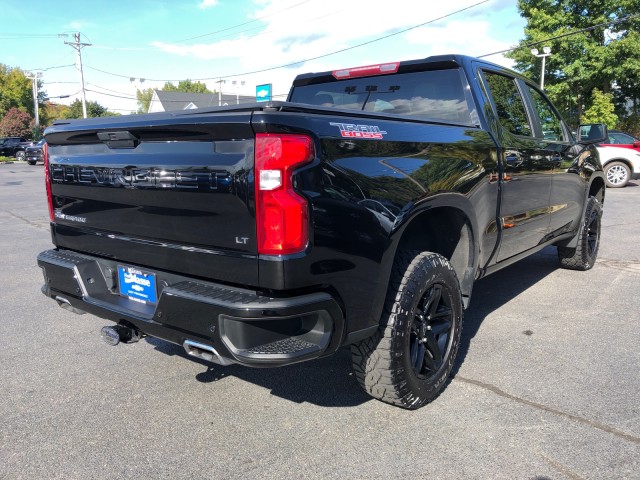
(636, 144)
(592, 133)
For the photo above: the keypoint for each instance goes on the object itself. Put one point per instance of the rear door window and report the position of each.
(508, 102)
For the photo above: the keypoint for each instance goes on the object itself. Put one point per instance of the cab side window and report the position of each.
(511, 111)
(549, 120)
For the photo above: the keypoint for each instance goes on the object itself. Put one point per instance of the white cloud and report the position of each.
(284, 32)
(454, 38)
(78, 25)
(314, 28)
(207, 4)
(305, 31)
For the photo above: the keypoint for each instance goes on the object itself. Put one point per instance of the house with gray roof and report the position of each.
(163, 101)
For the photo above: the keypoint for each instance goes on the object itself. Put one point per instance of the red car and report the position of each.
(621, 139)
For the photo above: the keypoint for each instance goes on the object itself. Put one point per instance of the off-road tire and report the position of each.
(616, 174)
(584, 255)
(422, 315)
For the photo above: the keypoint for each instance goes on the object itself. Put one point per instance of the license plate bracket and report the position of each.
(137, 285)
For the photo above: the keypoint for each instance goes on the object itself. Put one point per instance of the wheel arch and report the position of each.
(626, 161)
(443, 224)
(597, 188)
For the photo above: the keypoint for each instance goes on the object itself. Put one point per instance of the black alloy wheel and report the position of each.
(593, 233)
(430, 338)
(583, 256)
(407, 362)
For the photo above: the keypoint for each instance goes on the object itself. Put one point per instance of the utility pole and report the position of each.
(220, 82)
(34, 88)
(77, 45)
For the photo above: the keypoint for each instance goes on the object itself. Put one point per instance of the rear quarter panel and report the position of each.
(363, 192)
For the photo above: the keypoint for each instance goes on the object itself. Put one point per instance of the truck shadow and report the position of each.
(498, 289)
(326, 382)
(329, 382)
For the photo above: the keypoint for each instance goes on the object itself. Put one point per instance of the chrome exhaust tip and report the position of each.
(66, 304)
(204, 352)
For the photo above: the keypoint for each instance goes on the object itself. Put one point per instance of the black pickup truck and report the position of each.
(358, 212)
(14, 147)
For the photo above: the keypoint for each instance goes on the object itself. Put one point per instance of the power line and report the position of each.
(313, 19)
(51, 68)
(305, 60)
(109, 90)
(59, 66)
(241, 24)
(266, 32)
(111, 95)
(563, 35)
(23, 36)
(65, 96)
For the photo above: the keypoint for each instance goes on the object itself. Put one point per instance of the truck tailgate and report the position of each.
(171, 191)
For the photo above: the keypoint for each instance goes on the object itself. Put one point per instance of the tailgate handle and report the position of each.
(119, 139)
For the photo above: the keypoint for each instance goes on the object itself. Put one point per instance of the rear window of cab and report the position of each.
(440, 95)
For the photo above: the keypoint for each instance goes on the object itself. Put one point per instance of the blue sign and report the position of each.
(137, 285)
(263, 93)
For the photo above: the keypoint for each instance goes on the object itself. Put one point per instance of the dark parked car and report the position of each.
(34, 154)
(14, 147)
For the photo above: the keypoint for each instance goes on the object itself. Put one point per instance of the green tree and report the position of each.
(186, 86)
(595, 58)
(16, 90)
(94, 109)
(53, 111)
(631, 125)
(16, 123)
(144, 99)
(601, 110)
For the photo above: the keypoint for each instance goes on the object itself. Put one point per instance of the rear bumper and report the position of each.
(235, 325)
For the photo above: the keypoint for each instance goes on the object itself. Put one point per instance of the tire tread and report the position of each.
(578, 258)
(378, 360)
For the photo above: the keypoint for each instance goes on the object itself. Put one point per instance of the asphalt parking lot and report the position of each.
(547, 384)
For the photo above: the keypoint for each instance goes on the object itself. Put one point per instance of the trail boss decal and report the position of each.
(349, 130)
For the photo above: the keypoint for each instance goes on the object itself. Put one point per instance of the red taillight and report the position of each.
(47, 179)
(366, 71)
(281, 214)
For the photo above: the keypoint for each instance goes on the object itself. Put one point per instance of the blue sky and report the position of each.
(228, 39)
